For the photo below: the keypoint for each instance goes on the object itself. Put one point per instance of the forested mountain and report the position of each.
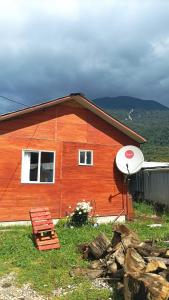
(126, 103)
(147, 117)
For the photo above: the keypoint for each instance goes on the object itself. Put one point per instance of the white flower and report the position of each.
(83, 206)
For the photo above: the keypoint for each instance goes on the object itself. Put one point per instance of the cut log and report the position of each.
(84, 249)
(112, 268)
(119, 256)
(164, 274)
(99, 246)
(147, 250)
(115, 240)
(96, 264)
(141, 266)
(143, 251)
(133, 261)
(154, 265)
(125, 231)
(167, 253)
(122, 229)
(127, 290)
(162, 259)
(124, 236)
(92, 274)
(139, 286)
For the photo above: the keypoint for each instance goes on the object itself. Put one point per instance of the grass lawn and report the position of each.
(50, 269)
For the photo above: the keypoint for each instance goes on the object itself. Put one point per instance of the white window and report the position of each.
(37, 166)
(86, 157)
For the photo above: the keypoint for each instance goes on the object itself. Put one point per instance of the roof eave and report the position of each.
(33, 108)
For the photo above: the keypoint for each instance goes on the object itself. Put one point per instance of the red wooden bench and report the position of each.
(43, 229)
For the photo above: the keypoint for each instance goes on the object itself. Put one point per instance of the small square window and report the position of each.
(86, 157)
(37, 167)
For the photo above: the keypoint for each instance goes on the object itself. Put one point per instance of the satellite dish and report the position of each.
(129, 159)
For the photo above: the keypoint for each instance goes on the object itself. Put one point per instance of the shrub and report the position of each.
(81, 214)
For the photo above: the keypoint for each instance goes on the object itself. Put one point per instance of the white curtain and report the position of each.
(26, 166)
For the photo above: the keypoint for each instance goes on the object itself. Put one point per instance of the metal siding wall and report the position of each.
(147, 186)
(154, 184)
(159, 190)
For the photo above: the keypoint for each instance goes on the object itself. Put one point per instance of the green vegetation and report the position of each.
(46, 271)
(145, 215)
(49, 269)
(143, 208)
(147, 117)
(154, 126)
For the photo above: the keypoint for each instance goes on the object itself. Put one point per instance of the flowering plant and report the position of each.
(81, 213)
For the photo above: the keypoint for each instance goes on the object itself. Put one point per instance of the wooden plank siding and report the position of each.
(64, 129)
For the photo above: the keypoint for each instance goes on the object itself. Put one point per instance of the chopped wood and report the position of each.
(147, 250)
(124, 236)
(141, 268)
(112, 268)
(127, 289)
(122, 229)
(96, 264)
(133, 261)
(99, 246)
(164, 260)
(84, 249)
(119, 256)
(92, 274)
(154, 265)
(116, 240)
(146, 286)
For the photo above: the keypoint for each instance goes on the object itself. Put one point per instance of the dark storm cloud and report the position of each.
(102, 48)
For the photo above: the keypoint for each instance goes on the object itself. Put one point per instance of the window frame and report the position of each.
(39, 159)
(85, 164)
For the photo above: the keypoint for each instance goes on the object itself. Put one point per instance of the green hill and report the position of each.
(147, 117)
(127, 103)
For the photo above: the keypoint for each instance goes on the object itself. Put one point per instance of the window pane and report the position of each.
(88, 157)
(46, 167)
(82, 157)
(33, 176)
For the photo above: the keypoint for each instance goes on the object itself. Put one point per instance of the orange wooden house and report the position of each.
(58, 153)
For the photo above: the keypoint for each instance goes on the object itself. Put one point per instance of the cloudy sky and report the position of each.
(50, 48)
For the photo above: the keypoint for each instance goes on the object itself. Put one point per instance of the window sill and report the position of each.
(37, 182)
(85, 165)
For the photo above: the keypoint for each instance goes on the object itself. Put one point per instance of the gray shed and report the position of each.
(151, 183)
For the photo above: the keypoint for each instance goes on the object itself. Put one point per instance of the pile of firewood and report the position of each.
(140, 268)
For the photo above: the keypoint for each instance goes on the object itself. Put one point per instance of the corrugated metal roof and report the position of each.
(154, 164)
